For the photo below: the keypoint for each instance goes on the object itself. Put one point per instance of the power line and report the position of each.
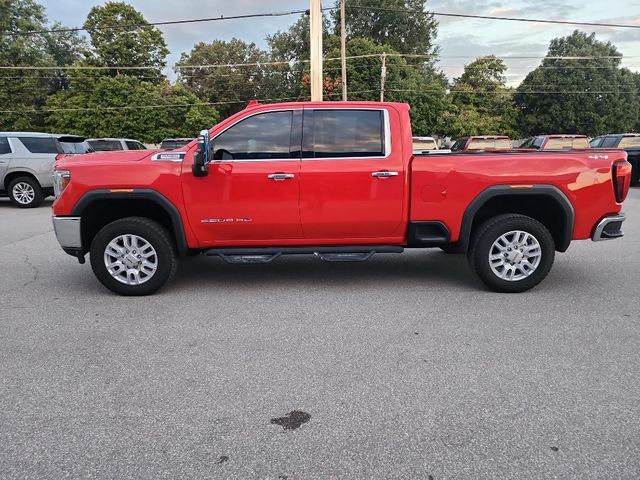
(293, 62)
(494, 17)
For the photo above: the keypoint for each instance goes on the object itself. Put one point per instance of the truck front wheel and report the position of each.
(511, 253)
(133, 256)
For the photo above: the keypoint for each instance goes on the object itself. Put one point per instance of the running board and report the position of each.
(328, 254)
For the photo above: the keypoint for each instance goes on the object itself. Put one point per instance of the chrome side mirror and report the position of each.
(201, 158)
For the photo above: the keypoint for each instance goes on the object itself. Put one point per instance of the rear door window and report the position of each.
(347, 133)
(4, 146)
(133, 145)
(41, 144)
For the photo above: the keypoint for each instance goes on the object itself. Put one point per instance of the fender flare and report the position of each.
(566, 207)
(138, 194)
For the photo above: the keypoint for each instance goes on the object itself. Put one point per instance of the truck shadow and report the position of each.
(425, 268)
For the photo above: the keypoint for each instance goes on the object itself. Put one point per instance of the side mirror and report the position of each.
(201, 158)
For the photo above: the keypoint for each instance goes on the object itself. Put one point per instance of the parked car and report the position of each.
(173, 143)
(26, 164)
(482, 142)
(631, 144)
(424, 144)
(556, 142)
(335, 179)
(111, 144)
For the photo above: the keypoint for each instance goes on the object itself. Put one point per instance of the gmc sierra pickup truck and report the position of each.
(334, 179)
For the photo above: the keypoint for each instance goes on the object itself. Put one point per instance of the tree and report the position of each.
(237, 85)
(384, 22)
(127, 107)
(120, 36)
(482, 104)
(403, 83)
(590, 96)
(22, 90)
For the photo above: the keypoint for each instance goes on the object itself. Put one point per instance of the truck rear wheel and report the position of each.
(511, 253)
(133, 256)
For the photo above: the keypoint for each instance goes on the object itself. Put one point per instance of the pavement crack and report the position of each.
(35, 270)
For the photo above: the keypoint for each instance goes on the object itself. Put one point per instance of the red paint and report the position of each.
(335, 201)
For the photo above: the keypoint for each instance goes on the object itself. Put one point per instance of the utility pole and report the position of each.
(383, 74)
(343, 50)
(315, 37)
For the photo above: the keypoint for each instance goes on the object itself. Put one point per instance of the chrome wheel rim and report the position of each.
(130, 259)
(23, 193)
(515, 255)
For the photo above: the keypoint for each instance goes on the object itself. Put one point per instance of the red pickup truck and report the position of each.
(335, 179)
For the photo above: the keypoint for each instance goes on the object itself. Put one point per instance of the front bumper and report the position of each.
(68, 232)
(609, 228)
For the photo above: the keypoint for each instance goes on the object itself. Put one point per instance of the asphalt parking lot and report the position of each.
(404, 367)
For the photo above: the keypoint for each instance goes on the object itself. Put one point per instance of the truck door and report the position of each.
(251, 193)
(352, 177)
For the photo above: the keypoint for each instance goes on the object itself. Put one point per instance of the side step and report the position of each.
(358, 253)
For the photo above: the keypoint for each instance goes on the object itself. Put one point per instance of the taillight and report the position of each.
(621, 180)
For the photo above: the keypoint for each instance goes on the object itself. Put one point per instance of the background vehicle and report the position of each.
(422, 144)
(631, 144)
(482, 142)
(111, 144)
(556, 142)
(337, 179)
(173, 143)
(26, 164)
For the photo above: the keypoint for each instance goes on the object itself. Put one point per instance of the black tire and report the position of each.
(37, 194)
(155, 235)
(484, 238)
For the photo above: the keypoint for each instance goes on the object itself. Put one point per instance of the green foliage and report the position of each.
(120, 36)
(583, 106)
(239, 84)
(153, 110)
(425, 92)
(386, 24)
(481, 102)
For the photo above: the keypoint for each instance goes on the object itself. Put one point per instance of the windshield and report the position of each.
(424, 145)
(489, 143)
(563, 143)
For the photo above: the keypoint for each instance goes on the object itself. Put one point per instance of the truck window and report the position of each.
(105, 145)
(261, 136)
(348, 133)
(133, 145)
(424, 145)
(629, 142)
(4, 146)
(563, 143)
(489, 143)
(41, 144)
(459, 144)
(596, 142)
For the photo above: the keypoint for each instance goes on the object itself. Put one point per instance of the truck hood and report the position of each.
(101, 158)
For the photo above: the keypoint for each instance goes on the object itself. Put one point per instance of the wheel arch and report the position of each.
(546, 203)
(13, 174)
(97, 208)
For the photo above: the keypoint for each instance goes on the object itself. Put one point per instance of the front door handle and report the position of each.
(280, 176)
(384, 174)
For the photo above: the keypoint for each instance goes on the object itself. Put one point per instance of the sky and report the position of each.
(456, 37)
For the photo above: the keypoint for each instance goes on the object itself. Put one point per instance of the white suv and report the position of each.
(26, 164)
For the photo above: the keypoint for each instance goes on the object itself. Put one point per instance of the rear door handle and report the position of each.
(384, 174)
(280, 176)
